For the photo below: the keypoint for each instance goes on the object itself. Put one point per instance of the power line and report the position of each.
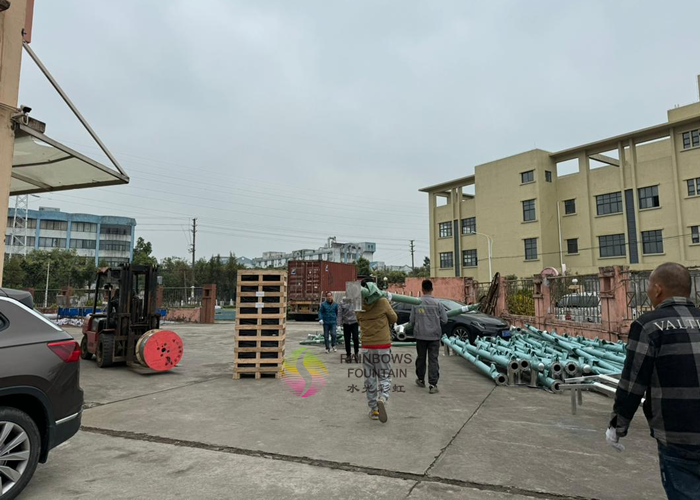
(266, 183)
(259, 214)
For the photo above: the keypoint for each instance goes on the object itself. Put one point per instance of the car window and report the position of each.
(451, 304)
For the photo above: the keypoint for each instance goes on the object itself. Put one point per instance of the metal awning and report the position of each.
(41, 164)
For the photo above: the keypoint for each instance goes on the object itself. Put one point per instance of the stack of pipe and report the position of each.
(541, 358)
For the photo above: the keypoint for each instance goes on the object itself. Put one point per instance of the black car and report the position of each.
(40, 397)
(466, 326)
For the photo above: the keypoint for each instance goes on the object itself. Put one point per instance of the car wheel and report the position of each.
(84, 353)
(105, 350)
(462, 333)
(20, 445)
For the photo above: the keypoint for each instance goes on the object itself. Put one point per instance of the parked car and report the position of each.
(580, 307)
(40, 397)
(466, 326)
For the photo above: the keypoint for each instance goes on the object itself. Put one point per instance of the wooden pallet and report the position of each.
(261, 321)
(259, 358)
(259, 344)
(237, 375)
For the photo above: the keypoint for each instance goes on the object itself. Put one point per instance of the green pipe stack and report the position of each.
(544, 358)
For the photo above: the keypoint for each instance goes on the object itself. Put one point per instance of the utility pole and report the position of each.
(413, 251)
(46, 291)
(193, 248)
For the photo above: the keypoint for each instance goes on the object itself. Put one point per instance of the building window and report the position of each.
(529, 210)
(20, 240)
(445, 229)
(83, 244)
(469, 225)
(31, 223)
(446, 260)
(116, 230)
(83, 227)
(572, 246)
(612, 245)
(52, 242)
(610, 203)
(54, 225)
(469, 258)
(652, 242)
(693, 187)
(695, 234)
(526, 177)
(649, 197)
(115, 246)
(691, 139)
(569, 207)
(531, 249)
(548, 176)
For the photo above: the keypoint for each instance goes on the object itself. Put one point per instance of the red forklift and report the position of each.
(127, 329)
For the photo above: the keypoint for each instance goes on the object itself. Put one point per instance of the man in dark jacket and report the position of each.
(328, 317)
(663, 366)
(427, 320)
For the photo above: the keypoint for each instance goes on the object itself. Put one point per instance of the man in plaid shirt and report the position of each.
(663, 366)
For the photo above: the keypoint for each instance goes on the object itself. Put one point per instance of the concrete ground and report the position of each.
(196, 433)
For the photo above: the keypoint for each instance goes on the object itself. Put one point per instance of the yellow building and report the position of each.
(632, 199)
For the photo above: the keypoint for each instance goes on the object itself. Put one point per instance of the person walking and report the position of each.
(375, 324)
(347, 318)
(663, 366)
(427, 320)
(328, 317)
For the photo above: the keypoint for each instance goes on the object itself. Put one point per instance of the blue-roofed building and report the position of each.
(106, 238)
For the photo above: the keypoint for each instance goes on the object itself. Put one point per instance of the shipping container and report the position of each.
(309, 280)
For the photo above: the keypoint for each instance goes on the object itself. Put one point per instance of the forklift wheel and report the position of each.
(84, 353)
(105, 350)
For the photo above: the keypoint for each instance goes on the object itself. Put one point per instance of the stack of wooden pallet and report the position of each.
(261, 312)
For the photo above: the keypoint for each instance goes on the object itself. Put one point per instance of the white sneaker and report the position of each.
(335, 350)
(328, 351)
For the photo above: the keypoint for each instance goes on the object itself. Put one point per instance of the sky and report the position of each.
(278, 124)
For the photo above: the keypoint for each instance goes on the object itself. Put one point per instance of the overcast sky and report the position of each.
(280, 123)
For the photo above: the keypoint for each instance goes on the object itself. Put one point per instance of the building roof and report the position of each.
(444, 186)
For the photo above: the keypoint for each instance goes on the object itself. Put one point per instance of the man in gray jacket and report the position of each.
(427, 320)
(347, 318)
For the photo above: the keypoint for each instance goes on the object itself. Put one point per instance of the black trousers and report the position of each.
(431, 348)
(354, 331)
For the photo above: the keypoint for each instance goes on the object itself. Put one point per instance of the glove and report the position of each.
(613, 440)
(320, 321)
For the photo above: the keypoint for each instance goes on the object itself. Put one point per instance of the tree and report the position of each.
(142, 253)
(423, 271)
(362, 266)
(176, 272)
(13, 274)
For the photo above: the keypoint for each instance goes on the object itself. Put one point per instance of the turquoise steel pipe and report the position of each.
(501, 361)
(549, 382)
(489, 371)
(609, 356)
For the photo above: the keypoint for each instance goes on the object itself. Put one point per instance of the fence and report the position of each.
(180, 297)
(637, 300)
(520, 297)
(575, 298)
